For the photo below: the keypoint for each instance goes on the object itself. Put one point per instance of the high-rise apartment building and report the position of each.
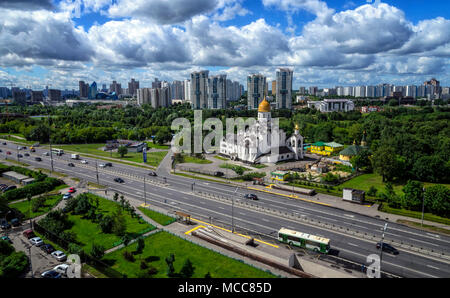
(187, 90)
(83, 89)
(93, 91)
(274, 87)
(115, 87)
(256, 84)
(132, 87)
(143, 96)
(19, 97)
(199, 89)
(359, 91)
(217, 92)
(37, 96)
(54, 95)
(284, 88)
(313, 90)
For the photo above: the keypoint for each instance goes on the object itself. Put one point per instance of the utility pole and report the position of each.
(96, 172)
(145, 194)
(232, 210)
(381, 244)
(423, 204)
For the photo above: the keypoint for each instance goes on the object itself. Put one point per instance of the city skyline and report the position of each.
(103, 41)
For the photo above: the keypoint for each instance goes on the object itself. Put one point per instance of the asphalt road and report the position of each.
(178, 196)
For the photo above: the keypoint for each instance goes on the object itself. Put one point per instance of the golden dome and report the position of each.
(297, 127)
(264, 106)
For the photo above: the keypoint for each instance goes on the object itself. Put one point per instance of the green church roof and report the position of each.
(334, 145)
(351, 150)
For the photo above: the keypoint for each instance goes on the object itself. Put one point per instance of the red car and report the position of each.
(8, 152)
(71, 190)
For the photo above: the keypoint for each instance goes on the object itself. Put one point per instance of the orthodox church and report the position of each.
(262, 142)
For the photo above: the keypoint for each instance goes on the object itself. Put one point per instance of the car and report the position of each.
(251, 196)
(388, 248)
(7, 239)
(5, 225)
(84, 161)
(11, 187)
(118, 180)
(62, 269)
(59, 255)
(108, 164)
(51, 274)
(152, 174)
(102, 165)
(72, 190)
(37, 241)
(19, 148)
(67, 196)
(70, 164)
(1, 150)
(27, 154)
(38, 159)
(15, 222)
(218, 174)
(32, 150)
(48, 248)
(4, 143)
(46, 154)
(28, 234)
(8, 152)
(3, 186)
(19, 155)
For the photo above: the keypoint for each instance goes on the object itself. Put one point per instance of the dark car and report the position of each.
(48, 248)
(1, 150)
(38, 159)
(51, 274)
(8, 152)
(27, 154)
(5, 225)
(19, 155)
(15, 222)
(388, 248)
(4, 143)
(108, 164)
(118, 180)
(28, 234)
(11, 187)
(251, 196)
(70, 164)
(218, 174)
(152, 174)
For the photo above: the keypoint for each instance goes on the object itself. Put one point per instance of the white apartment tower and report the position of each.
(284, 88)
(256, 84)
(199, 89)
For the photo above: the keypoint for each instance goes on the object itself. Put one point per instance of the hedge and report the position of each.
(32, 189)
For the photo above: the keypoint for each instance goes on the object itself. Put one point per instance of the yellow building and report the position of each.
(326, 149)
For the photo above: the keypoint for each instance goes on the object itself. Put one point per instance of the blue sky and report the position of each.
(327, 43)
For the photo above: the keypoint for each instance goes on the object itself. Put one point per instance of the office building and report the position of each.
(37, 96)
(54, 95)
(133, 86)
(93, 91)
(116, 88)
(83, 89)
(19, 97)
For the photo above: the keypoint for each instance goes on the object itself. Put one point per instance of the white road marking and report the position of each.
(353, 244)
(423, 241)
(266, 220)
(433, 267)
(437, 236)
(349, 215)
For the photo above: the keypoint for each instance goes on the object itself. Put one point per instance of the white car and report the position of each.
(59, 255)
(84, 161)
(45, 154)
(102, 165)
(36, 241)
(61, 269)
(67, 196)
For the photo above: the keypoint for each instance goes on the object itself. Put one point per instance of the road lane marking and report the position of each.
(349, 215)
(353, 244)
(433, 267)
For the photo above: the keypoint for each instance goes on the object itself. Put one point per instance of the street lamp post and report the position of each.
(96, 172)
(423, 204)
(232, 210)
(381, 245)
(145, 195)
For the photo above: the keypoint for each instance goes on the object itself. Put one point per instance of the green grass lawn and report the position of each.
(160, 218)
(88, 232)
(156, 146)
(365, 181)
(220, 158)
(233, 167)
(25, 209)
(153, 158)
(160, 245)
(192, 159)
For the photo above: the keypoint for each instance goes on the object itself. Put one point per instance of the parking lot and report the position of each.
(40, 260)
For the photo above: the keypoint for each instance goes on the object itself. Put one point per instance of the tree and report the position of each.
(140, 245)
(437, 200)
(126, 239)
(362, 161)
(170, 269)
(413, 195)
(390, 196)
(119, 226)
(122, 150)
(387, 163)
(187, 270)
(116, 196)
(97, 251)
(106, 224)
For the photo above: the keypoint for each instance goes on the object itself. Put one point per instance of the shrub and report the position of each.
(32, 189)
(97, 251)
(128, 256)
(143, 265)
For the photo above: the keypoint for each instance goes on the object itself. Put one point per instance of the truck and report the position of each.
(75, 156)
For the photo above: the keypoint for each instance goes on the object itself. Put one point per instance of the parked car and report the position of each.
(19, 155)
(3, 186)
(102, 165)
(1, 150)
(51, 274)
(251, 196)
(11, 187)
(152, 174)
(67, 196)
(108, 164)
(15, 222)
(70, 164)
(4, 143)
(38, 159)
(118, 180)
(37, 241)
(27, 154)
(5, 225)
(7, 239)
(46, 154)
(62, 269)
(388, 248)
(72, 190)
(48, 248)
(28, 234)
(59, 255)
(33, 150)
(84, 161)
(8, 152)
(218, 174)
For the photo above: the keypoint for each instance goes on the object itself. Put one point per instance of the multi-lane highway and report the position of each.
(175, 193)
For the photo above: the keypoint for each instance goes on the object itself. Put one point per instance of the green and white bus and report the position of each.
(303, 240)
